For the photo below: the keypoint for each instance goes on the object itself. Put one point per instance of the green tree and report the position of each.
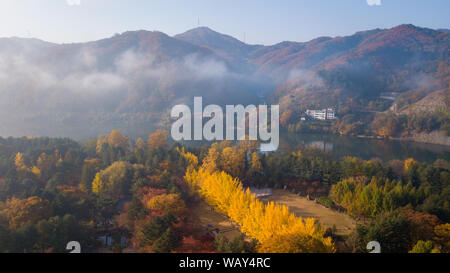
(90, 168)
(116, 180)
(167, 242)
(157, 226)
(391, 230)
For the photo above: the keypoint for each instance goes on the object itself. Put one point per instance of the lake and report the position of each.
(340, 146)
(365, 148)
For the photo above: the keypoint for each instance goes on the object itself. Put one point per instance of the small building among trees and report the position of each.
(324, 114)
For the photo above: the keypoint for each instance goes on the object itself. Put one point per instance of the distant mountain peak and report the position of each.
(204, 34)
(222, 44)
(410, 28)
(141, 33)
(203, 28)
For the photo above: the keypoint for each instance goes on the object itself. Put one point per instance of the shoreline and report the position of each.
(436, 138)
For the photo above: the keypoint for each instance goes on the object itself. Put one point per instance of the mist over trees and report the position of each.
(131, 80)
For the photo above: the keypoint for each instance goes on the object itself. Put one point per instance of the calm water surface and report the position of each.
(340, 146)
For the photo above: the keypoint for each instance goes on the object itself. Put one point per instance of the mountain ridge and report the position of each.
(137, 75)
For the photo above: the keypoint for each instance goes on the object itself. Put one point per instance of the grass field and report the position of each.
(302, 207)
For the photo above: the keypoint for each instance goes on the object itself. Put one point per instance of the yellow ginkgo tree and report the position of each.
(276, 229)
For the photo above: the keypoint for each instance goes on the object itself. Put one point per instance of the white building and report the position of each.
(317, 114)
(324, 114)
(331, 114)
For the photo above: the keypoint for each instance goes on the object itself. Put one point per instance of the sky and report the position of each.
(253, 21)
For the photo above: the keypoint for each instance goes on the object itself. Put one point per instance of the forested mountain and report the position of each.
(332, 71)
(131, 80)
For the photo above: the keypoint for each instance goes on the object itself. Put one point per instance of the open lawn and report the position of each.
(309, 209)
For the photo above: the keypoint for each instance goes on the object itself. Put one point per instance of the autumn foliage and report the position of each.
(157, 139)
(19, 212)
(167, 202)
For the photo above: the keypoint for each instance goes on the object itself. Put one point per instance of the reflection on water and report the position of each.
(386, 150)
(340, 146)
(320, 145)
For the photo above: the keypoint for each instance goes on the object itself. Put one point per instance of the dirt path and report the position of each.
(309, 209)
